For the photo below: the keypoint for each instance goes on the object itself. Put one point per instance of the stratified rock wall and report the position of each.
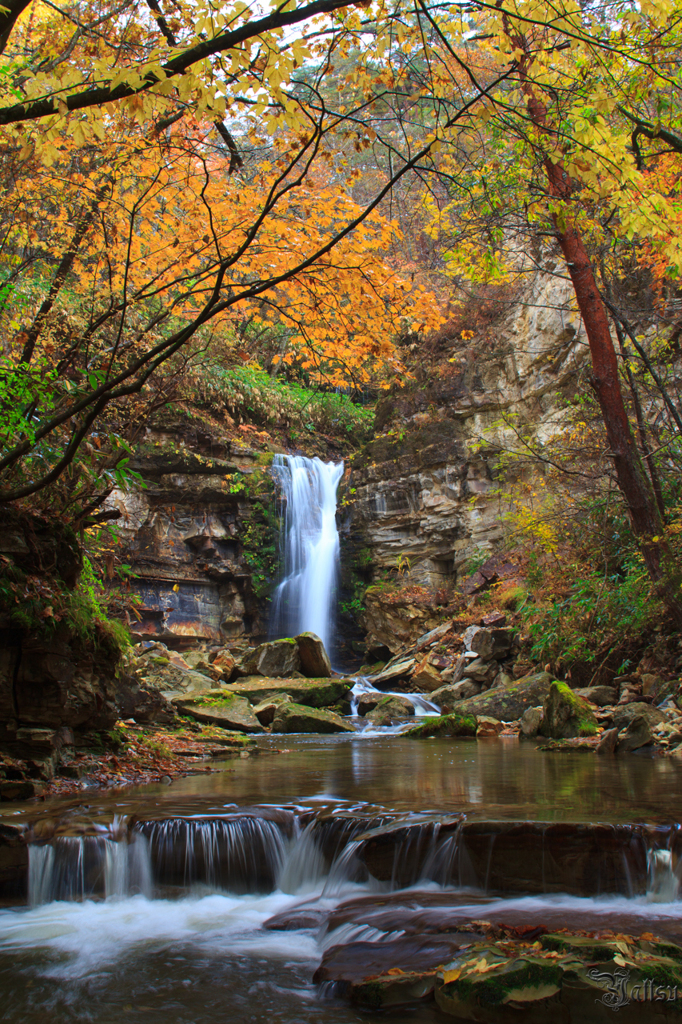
(416, 485)
(185, 537)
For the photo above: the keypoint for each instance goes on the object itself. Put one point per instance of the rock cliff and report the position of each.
(420, 490)
(199, 536)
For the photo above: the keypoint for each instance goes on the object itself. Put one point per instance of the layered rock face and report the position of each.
(415, 507)
(187, 534)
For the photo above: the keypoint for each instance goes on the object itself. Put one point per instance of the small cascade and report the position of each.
(82, 867)
(241, 854)
(303, 868)
(363, 686)
(663, 884)
(304, 601)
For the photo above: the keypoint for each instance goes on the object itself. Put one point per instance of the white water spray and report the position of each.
(304, 601)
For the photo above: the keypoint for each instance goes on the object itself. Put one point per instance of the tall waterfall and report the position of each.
(310, 540)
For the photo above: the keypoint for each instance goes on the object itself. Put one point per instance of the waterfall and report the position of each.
(77, 868)
(304, 601)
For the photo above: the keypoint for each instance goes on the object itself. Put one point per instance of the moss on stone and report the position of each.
(444, 725)
(494, 989)
(567, 714)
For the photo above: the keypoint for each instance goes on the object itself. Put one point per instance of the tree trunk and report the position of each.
(633, 481)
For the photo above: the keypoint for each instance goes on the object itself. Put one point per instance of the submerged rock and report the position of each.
(444, 725)
(220, 707)
(566, 715)
(297, 718)
(314, 658)
(275, 658)
(508, 703)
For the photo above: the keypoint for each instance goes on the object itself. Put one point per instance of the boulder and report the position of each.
(433, 635)
(508, 704)
(624, 714)
(636, 734)
(531, 719)
(225, 664)
(602, 696)
(468, 635)
(426, 678)
(447, 696)
(453, 673)
(477, 669)
(366, 703)
(491, 644)
(566, 715)
(298, 718)
(199, 661)
(220, 707)
(168, 672)
(399, 670)
(315, 661)
(265, 711)
(486, 726)
(314, 693)
(389, 709)
(443, 725)
(278, 658)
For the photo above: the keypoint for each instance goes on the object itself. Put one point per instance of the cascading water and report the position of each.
(304, 601)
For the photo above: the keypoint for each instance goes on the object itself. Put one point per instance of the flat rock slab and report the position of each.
(357, 961)
(220, 708)
(314, 693)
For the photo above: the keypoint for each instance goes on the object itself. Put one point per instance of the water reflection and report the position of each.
(491, 779)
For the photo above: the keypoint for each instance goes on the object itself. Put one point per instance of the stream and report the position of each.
(216, 898)
(160, 911)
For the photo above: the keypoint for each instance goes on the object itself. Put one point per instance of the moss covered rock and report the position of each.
(314, 693)
(444, 725)
(508, 703)
(389, 709)
(566, 715)
(298, 718)
(565, 978)
(276, 658)
(220, 707)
